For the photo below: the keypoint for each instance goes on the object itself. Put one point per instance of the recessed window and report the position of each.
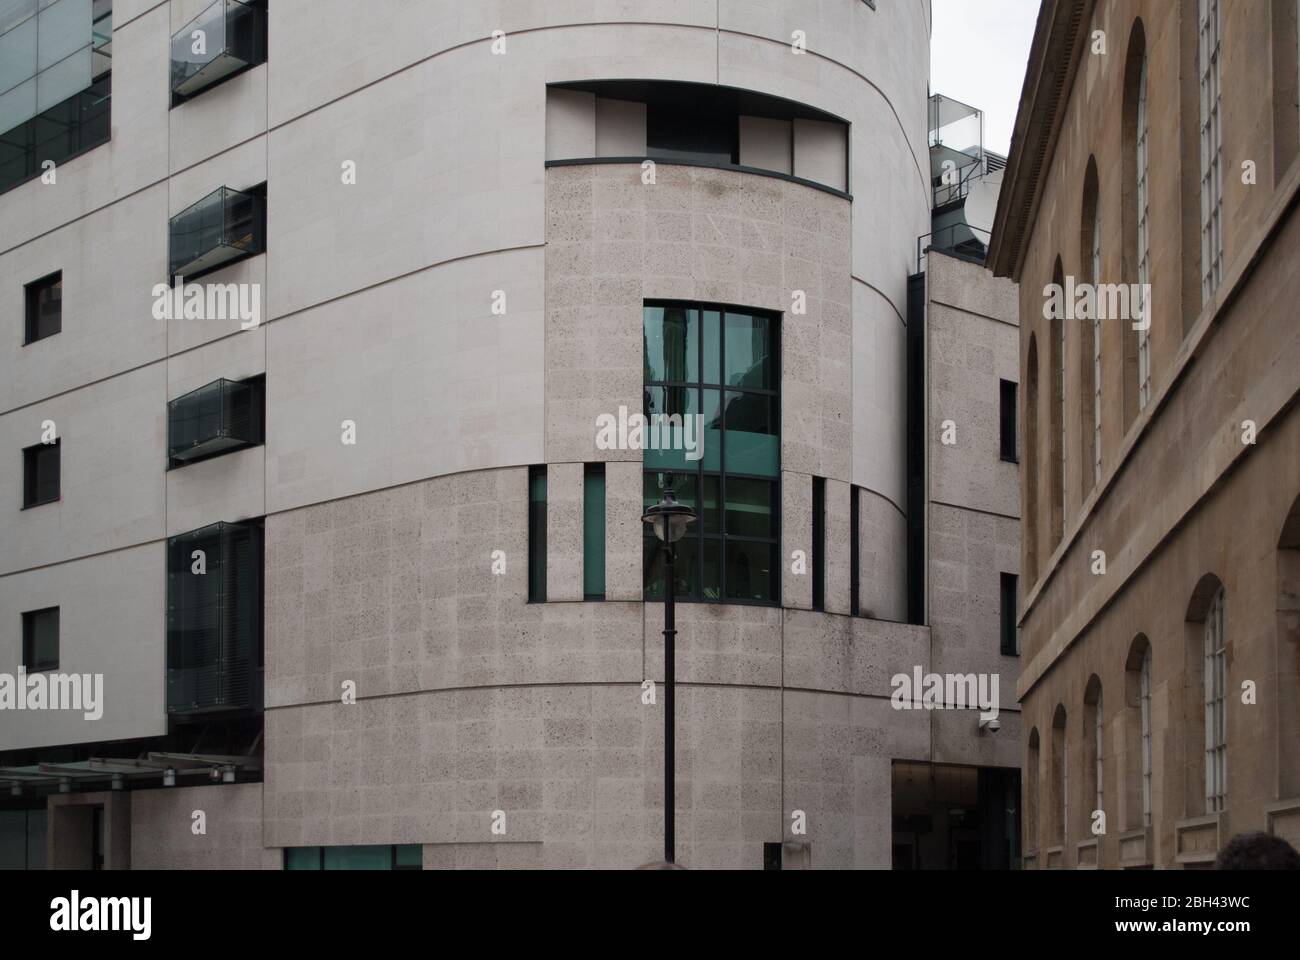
(221, 417)
(404, 856)
(537, 534)
(593, 532)
(41, 474)
(1010, 638)
(214, 620)
(44, 307)
(41, 639)
(855, 552)
(1007, 401)
(711, 405)
(819, 543)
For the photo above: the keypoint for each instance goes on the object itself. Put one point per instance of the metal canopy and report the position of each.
(151, 765)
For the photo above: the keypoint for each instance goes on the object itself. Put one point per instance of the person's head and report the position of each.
(1257, 851)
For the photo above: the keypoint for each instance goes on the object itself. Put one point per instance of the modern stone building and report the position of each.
(1156, 146)
(339, 530)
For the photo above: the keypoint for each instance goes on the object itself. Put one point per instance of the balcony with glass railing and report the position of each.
(226, 37)
(224, 226)
(217, 418)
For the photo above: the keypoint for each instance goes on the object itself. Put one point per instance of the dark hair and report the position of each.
(1257, 851)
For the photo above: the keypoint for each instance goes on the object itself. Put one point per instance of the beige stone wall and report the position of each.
(163, 838)
(1181, 495)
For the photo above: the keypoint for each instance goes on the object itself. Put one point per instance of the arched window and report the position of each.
(1090, 356)
(1057, 413)
(1137, 734)
(1209, 31)
(1288, 653)
(1094, 749)
(1060, 779)
(1206, 695)
(1216, 707)
(1030, 420)
(1033, 780)
(1137, 249)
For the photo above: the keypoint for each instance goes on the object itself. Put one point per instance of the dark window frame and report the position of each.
(537, 533)
(29, 641)
(1009, 597)
(696, 534)
(855, 555)
(819, 543)
(589, 472)
(30, 485)
(1008, 427)
(31, 307)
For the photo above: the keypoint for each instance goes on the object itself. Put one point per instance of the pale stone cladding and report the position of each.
(378, 300)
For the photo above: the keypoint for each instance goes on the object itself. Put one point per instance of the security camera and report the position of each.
(992, 726)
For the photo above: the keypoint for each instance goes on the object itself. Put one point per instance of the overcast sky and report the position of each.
(978, 51)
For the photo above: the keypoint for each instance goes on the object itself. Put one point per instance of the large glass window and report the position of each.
(719, 367)
(405, 856)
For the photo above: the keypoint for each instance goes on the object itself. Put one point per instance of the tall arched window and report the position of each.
(1205, 697)
(1137, 249)
(1216, 707)
(1094, 747)
(1090, 355)
(1207, 60)
(1137, 734)
(1057, 413)
(1060, 780)
(1033, 780)
(1030, 420)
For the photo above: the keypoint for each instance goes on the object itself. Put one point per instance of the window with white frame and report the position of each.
(1211, 148)
(1145, 687)
(1099, 733)
(1143, 248)
(1096, 346)
(1216, 707)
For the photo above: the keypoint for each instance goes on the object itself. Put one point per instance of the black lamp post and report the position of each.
(670, 520)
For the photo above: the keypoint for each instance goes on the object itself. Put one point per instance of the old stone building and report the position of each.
(1156, 146)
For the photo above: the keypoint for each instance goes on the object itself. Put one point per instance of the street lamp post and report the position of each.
(669, 519)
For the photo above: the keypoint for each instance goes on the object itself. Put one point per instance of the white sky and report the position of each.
(978, 51)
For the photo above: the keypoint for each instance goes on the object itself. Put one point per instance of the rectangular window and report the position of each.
(221, 417)
(41, 474)
(1007, 420)
(819, 543)
(1143, 251)
(41, 639)
(22, 839)
(214, 619)
(405, 856)
(713, 415)
(44, 307)
(593, 532)
(1010, 589)
(855, 556)
(537, 534)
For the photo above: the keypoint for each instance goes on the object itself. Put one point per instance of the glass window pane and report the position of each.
(666, 440)
(63, 28)
(13, 839)
(750, 568)
(711, 574)
(593, 532)
(749, 508)
(302, 858)
(672, 338)
(712, 438)
(712, 511)
(410, 856)
(712, 372)
(359, 858)
(536, 534)
(17, 56)
(753, 441)
(37, 825)
(749, 354)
